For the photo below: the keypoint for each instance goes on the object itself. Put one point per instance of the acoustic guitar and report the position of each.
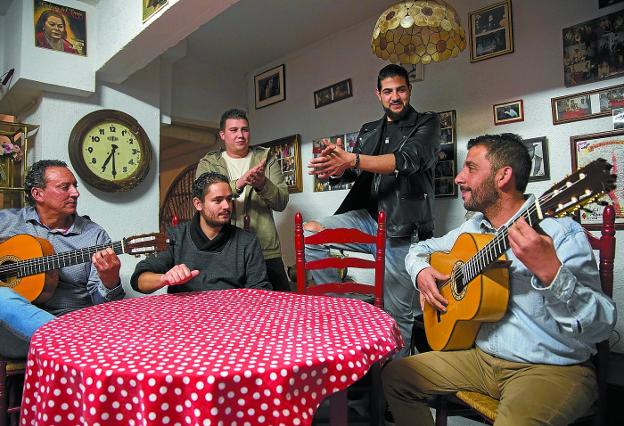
(478, 287)
(29, 265)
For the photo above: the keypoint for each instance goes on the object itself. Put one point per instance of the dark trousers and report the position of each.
(277, 274)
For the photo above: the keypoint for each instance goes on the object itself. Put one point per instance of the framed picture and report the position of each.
(592, 50)
(270, 87)
(446, 167)
(334, 93)
(538, 150)
(509, 112)
(618, 118)
(491, 32)
(150, 7)
(287, 152)
(350, 142)
(584, 105)
(72, 38)
(608, 145)
(415, 72)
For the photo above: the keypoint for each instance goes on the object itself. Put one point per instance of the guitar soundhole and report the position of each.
(8, 278)
(458, 287)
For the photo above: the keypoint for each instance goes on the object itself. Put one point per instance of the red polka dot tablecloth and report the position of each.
(232, 357)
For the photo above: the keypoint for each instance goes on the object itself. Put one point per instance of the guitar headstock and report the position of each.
(145, 243)
(582, 187)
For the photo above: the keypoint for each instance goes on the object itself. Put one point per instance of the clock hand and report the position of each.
(114, 169)
(112, 153)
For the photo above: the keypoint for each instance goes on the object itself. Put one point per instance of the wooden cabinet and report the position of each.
(12, 172)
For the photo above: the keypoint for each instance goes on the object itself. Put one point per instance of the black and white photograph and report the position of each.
(491, 31)
(270, 87)
(508, 112)
(538, 151)
(445, 170)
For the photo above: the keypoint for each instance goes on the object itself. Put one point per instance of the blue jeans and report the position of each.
(399, 291)
(19, 319)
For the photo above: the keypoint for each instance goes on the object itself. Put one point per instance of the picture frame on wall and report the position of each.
(491, 31)
(592, 49)
(538, 151)
(585, 105)
(610, 146)
(150, 7)
(72, 39)
(334, 93)
(415, 72)
(270, 87)
(287, 152)
(508, 112)
(446, 167)
(350, 142)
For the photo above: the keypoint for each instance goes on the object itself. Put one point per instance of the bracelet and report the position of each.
(357, 161)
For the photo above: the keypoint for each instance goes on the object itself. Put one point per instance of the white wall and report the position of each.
(534, 73)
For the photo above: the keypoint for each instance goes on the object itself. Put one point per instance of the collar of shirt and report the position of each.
(204, 243)
(76, 228)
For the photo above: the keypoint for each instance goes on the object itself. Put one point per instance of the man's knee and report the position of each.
(313, 226)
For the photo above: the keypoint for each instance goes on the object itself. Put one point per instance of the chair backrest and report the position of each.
(177, 205)
(342, 236)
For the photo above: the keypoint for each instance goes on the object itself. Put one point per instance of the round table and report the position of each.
(244, 357)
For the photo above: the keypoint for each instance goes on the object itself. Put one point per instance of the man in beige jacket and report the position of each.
(258, 185)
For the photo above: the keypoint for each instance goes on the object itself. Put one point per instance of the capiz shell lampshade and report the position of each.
(410, 32)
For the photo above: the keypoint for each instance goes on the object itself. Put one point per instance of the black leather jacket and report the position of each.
(408, 193)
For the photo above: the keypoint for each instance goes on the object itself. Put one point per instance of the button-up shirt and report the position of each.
(79, 285)
(556, 324)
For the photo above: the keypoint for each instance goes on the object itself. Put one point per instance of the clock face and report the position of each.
(110, 150)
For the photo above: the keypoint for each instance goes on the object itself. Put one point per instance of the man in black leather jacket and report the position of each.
(393, 168)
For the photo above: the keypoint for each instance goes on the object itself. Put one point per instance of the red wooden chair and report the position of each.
(338, 401)
(11, 382)
(486, 407)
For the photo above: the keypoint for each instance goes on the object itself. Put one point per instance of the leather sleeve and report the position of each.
(420, 150)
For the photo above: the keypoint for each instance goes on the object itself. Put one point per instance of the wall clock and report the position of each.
(110, 150)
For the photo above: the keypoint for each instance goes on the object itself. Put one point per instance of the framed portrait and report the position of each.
(592, 49)
(491, 31)
(538, 150)
(415, 72)
(508, 112)
(334, 93)
(350, 142)
(584, 105)
(150, 7)
(446, 167)
(270, 87)
(60, 28)
(287, 152)
(610, 146)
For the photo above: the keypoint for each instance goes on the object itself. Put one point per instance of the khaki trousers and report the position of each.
(529, 394)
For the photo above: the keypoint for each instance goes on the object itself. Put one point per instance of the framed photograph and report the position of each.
(618, 118)
(608, 145)
(446, 167)
(538, 150)
(287, 152)
(270, 87)
(592, 50)
(415, 72)
(150, 7)
(60, 28)
(584, 105)
(509, 112)
(350, 142)
(491, 32)
(334, 93)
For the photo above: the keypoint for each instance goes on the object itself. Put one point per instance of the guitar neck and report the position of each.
(61, 260)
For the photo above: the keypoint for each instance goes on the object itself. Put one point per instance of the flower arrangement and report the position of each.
(12, 150)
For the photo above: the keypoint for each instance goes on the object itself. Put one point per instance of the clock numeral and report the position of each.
(93, 160)
(125, 169)
(95, 138)
(131, 141)
(135, 151)
(101, 131)
(123, 132)
(90, 150)
(131, 162)
(113, 129)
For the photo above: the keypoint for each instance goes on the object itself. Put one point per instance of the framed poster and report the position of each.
(60, 28)
(610, 146)
(592, 50)
(446, 167)
(270, 87)
(150, 7)
(491, 32)
(287, 152)
(584, 105)
(334, 93)
(349, 141)
(538, 151)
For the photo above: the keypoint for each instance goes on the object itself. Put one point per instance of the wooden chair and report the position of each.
(338, 401)
(486, 407)
(11, 382)
(177, 202)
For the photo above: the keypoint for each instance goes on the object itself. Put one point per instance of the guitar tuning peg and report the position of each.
(602, 203)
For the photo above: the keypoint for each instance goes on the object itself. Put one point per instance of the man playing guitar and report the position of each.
(51, 190)
(535, 358)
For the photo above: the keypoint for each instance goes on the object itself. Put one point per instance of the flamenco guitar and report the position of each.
(29, 265)
(478, 287)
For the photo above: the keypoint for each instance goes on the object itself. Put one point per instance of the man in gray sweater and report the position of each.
(209, 253)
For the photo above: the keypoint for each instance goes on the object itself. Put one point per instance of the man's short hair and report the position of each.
(235, 114)
(391, 70)
(507, 149)
(35, 178)
(203, 182)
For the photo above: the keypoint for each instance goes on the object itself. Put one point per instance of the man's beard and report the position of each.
(394, 116)
(215, 221)
(482, 197)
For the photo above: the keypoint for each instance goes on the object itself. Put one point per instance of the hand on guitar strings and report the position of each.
(332, 161)
(177, 275)
(535, 250)
(427, 281)
(107, 265)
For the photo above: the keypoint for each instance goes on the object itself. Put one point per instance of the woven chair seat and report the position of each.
(13, 366)
(484, 404)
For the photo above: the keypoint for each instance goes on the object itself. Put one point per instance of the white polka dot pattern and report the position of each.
(232, 357)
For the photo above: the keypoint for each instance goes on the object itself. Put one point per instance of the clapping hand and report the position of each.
(332, 161)
(254, 177)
